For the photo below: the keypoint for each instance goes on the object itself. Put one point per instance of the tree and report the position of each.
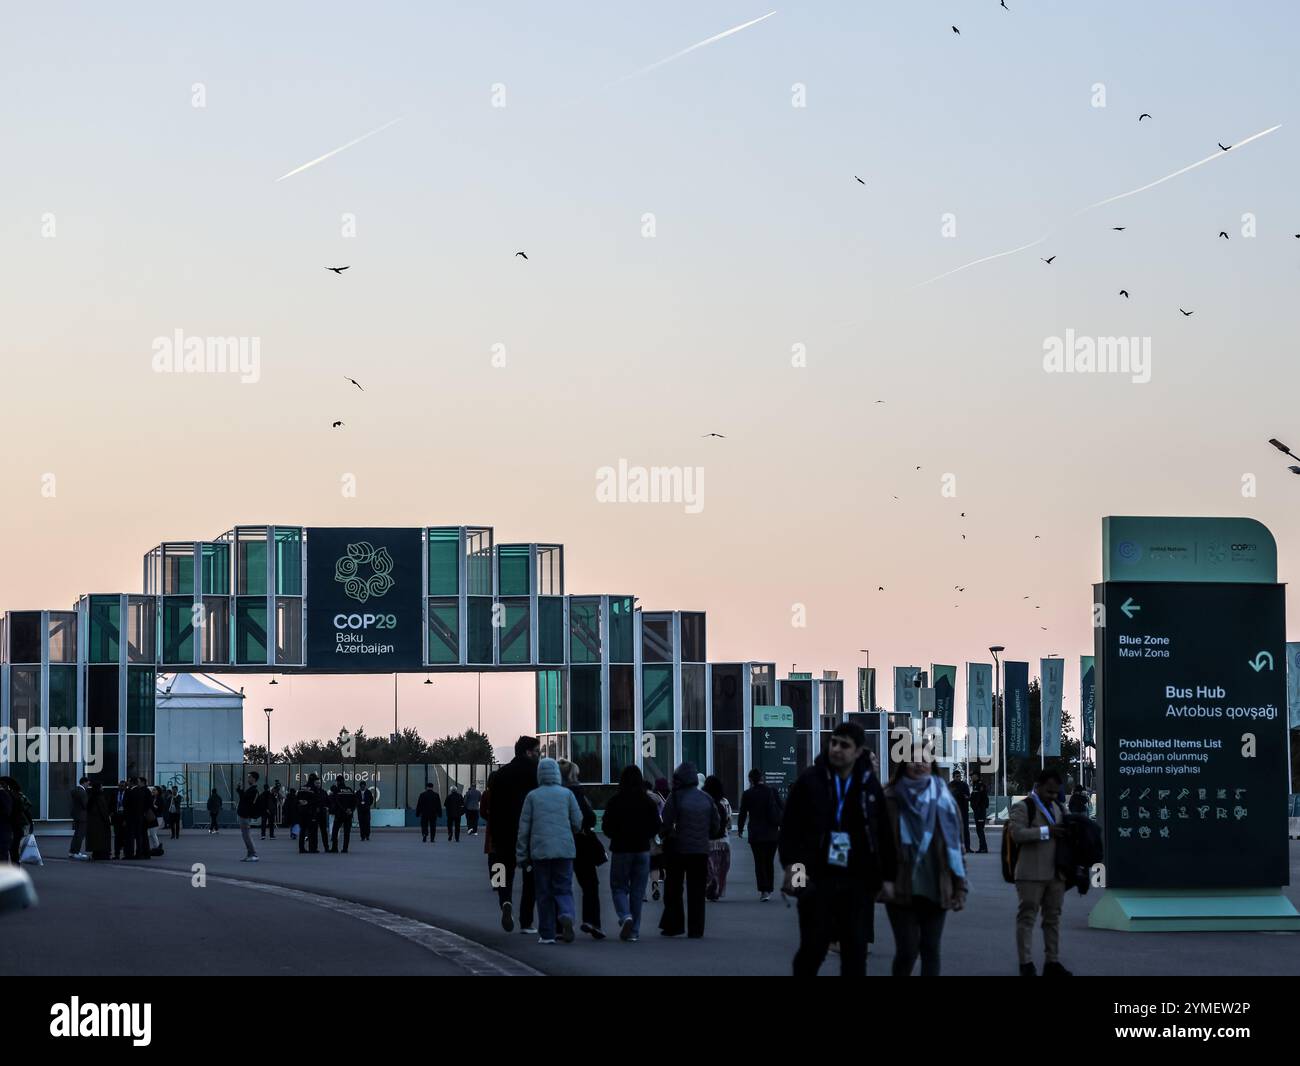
(469, 747)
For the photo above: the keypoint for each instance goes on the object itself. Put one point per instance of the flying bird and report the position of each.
(1124, 293)
(880, 588)
(1145, 114)
(335, 425)
(721, 436)
(918, 468)
(1224, 234)
(521, 255)
(1187, 313)
(860, 181)
(882, 401)
(1225, 147)
(963, 536)
(354, 382)
(1048, 260)
(963, 514)
(337, 270)
(1037, 537)
(1119, 229)
(1004, 5)
(956, 31)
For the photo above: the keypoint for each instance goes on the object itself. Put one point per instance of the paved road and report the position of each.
(397, 906)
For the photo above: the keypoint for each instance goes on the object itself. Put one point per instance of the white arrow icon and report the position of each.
(1257, 664)
(1128, 607)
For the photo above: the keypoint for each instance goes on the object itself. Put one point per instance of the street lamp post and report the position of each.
(268, 711)
(1002, 718)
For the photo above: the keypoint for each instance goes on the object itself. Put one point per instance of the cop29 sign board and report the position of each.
(365, 613)
(1192, 734)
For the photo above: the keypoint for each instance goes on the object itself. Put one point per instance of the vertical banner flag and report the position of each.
(1293, 682)
(1088, 699)
(1051, 689)
(944, 680)
(866, 688)
(905, 694)
(1015, 678)
(979, 709)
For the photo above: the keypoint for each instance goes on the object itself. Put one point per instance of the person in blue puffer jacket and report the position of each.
(548, 823)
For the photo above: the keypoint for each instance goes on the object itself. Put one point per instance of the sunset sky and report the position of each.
(127, 213)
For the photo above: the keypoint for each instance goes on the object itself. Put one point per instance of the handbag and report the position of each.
(31, 853)
(591, 850)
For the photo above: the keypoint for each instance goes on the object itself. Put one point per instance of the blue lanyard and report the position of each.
(841, 793)
(1046, 813)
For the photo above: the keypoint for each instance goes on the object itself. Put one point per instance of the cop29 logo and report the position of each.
(375, 582)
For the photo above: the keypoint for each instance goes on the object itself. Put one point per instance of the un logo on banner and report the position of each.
(375, 583)
(1129, 552)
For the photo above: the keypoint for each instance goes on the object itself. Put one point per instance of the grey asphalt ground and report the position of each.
(99, 918)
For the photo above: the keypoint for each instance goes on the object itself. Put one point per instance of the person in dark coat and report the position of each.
(139, 807)
(690, 821)
(961, 793)
(305, 811)
(428, 808)
(214, 810)
(761, 808)
(6, 820)
(509, 786)
(80, 800)
(122, 844)
(1078, 800)
(343, 799)
(837, 849)
(631, 821)
(365, 801)
(979, 805)
(455, 808)
(588, 848)
(99, 824)
(174, 815)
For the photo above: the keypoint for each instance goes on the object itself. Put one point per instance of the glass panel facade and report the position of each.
(657, 756)
(695, 749)
(693, 697)
(216, 629)
(479, 628)
(139, 757)
(444, 562)
(250, 631)
(514, 631)
(549, 702)
(656, 698)
(550, 577)
(288, 564)
(102, 698)
(139, 699)
(728, 697)
(512, 560)
(584, 631)
(761, 683)
(108, 775)
(24, 698)
(215, 563)
(656, 638)
(25, 637)
(105, 628)
(250, 564)
(178, 570)
(622, 698)
(444, 631)
(693, 638)
(478, 562)
(63, 778)
(550, 629)
(63, 637)
(63, 697)
(797, 695)
(141, 630)
(177, 630)
(622, 752)
(288, 630)
(620, 629)
(728, 764)
(584, 698)
(586, 753)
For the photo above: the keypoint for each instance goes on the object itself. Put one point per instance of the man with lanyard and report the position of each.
(365, 800)
(1037, 823)
(836, 847)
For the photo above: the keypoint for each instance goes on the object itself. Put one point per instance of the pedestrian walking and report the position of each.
(589, 853)
(117, 809)
(631, 822)
(979, 805)
(246, 812)
(715, 887)
(365, 801)
(930, 879)
(99, 824)
(80, 803)
(6, 821)
(761, 808)
(214, 811)
(139, 812)
(270, 801)
(473, 801)
(510, 786)
(1079, 800)
(308, 823)
(428, 808)
(690, 820)
(455, 808)
(837, 851)
(658, 860)
(961, 794)
(1035, 826)
(549, 822)
(174, 819)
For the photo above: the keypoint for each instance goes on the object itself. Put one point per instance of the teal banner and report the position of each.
(944, 680)
(1088, 699)
(866, 689)
(1293, 683)
(1052, 674)
(906, 697)
(979, 695)
(1015, 679)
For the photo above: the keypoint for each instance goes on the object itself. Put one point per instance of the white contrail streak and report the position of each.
(1199, 163)
(977, 262)
(336, 151)
(692, 48)
(1109, 200)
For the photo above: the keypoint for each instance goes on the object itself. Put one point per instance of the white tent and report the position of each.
(197, 719)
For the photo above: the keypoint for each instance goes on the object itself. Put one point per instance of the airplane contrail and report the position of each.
(336, 151)
(1100, 203)
(1184, 170)
(692, 48)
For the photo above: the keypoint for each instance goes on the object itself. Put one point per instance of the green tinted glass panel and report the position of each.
(216, 569)
(250, 631)
(108, 773)
(105, 628)
(444, 632)
(584, 698)
(584, 749)
(177, 630)
(657, 697)
(514, 631)
(251, 556)
(694, 749)
(622, 752)
(584, 631)
(444, 562)
(513, 575)
(620, 629)
(288, 562)
(139, 699)
(63, 697)
(550, 629)
(479, 628)
(548, 701)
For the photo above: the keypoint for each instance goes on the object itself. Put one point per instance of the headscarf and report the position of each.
(923, 803)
